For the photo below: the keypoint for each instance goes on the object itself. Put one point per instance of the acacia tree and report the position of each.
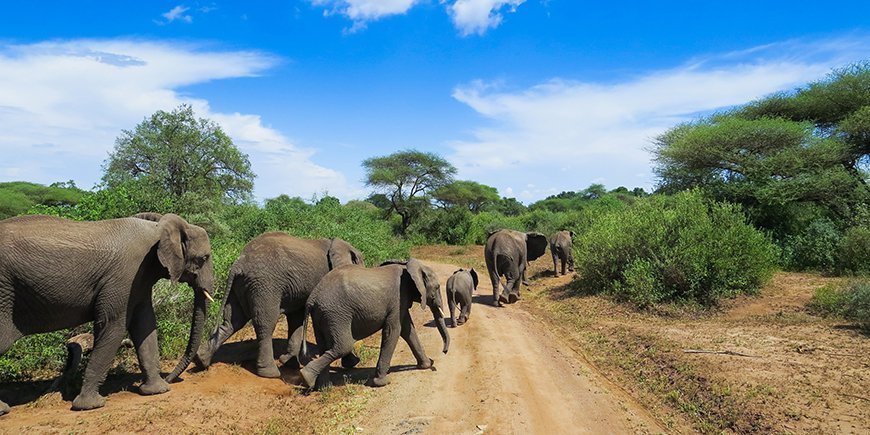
(467, 194)
(176, 156)
(406, 178)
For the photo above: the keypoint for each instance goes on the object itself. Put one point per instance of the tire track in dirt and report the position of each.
(505, 373)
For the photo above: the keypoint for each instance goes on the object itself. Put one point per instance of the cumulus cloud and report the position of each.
(478, 16)
(601, 130)
(177, 14)
(363, 11)
(62, 104)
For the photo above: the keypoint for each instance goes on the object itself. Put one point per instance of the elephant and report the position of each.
(275, 274)
(561, 249)
(57, 274)
(460, 286)
(352, 303)
(507, 254)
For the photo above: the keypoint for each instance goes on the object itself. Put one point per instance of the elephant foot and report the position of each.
(158, 386)
(526, 282)
(84, 402)
(512, 298)
(453, 322)
(501, 300)
(309, 378)
(4, 408)
(290, 361)
(269, 371)
(349, 361)
(426, 364)
(379, 382)
(462, 320)
(201, 362)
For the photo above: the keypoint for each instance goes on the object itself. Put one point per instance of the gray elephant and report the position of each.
(57, 274)
(460, 287)
(275, 274)
(562, 250)
(507, 254)
(352, 303)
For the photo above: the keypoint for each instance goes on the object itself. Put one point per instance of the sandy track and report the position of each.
(505, 373)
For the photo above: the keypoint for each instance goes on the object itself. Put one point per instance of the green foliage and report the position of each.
(851, 302)
(679, 248)
(814, 248)
(32, 355)
(188, 161)
(507, 207)
(18, 197)
(466, 194)
(406, 178)
(854, 251)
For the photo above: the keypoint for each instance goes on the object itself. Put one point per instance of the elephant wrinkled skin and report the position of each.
(507, 253)
(57, 274)
(275, 274)
(460, 288)
(352, 303)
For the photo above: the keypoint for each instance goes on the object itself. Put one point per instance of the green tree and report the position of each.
(407, 178)
(178, 156)
(466, 194)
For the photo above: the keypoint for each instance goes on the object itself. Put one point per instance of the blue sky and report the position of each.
(530, 96)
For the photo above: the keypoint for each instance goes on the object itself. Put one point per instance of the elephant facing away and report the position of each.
(460, 287)
(57, 274)
(507, 253)
(562, 250)
(275, 274)
(352, 303)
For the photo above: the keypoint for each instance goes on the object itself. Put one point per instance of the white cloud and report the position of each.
(363, 11)
(178, 13)
(62, 104)
(601, 130)
(478, 16)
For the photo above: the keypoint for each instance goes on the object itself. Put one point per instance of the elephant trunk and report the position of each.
(196, 327)
(442, 328)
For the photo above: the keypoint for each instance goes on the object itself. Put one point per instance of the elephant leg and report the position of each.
(8, 335)
(143, 331)
(564, 263)
(294, 339)
(389, 339)
(451, 306)
(107, 340)
(496, 290)
(409, 334)
(265, 319)
(234, 318)
(316, 373)
(465, 310)
(555, 271)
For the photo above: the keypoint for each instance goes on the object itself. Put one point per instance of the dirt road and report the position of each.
(505, 373)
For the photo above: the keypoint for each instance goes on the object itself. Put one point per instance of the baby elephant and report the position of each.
(460, 287)
(352, 303)
(562, 250)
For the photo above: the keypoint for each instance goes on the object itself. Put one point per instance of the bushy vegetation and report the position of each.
(18, 197)
(680, 248)
(850, 301)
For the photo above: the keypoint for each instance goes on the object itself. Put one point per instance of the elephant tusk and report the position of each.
(441, 311)
(208, 296)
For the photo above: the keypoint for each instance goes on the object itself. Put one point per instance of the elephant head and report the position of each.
(341, 253)
(474, 277)
(185, 251)
(536, 245)
(426, 283)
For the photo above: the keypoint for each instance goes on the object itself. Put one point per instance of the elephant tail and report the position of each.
(303, 351)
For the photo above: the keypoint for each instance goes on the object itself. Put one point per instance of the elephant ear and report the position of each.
(571, 233)
(536, 245)
(357, 256)
(170, 249)
(148, 216)
(342, 253)
(418, 275)
(474, 277)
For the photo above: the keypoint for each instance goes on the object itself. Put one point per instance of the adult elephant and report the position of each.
(275, 274)
(507, 254)
(352, 303)
(562, 250)
(56, 274)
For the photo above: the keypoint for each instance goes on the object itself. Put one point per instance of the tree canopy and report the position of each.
(188, 160)
(466, 194)
(406, 178)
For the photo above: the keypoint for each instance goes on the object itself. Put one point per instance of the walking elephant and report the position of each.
(275, 274)
(57, 274)
(507, 253)
(562, 250)
(460, 287)
(352, 303)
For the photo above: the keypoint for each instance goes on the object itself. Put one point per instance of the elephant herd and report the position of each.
(57, 274)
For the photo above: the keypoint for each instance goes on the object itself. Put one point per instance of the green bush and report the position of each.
(679, 248)
(814, 248)
(851, 302)
(854, 251)
(33, 355)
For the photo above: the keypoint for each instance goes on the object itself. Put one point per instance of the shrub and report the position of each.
(814, 248)
(851, 302)
(678, 248)
(854, 251)
(32, 355)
